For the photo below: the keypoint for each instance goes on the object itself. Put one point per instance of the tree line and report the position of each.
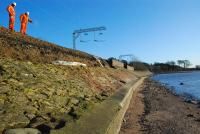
(157, 67)
(170, 66)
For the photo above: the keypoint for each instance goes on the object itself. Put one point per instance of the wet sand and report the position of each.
(155, 110)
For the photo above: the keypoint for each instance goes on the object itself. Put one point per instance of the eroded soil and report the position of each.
(26, 48)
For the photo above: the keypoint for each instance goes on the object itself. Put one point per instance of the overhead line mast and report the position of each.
(77, 33)
(128, 55)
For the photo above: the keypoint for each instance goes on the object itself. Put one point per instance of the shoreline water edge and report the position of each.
(185, 97)
(179, 85)
(156, 109)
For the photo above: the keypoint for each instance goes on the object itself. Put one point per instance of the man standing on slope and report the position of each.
(11, 11)
(24, 18)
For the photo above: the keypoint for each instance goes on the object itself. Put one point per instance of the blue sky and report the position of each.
(152, 30)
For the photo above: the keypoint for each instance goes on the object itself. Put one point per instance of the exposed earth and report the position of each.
(155, 110)
(26, 48)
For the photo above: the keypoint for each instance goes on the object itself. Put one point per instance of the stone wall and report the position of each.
(130, 68)
(116, 64)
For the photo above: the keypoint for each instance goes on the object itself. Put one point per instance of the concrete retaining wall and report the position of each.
(130, 68)
(104, 118)
(115, 125)
(116, 64)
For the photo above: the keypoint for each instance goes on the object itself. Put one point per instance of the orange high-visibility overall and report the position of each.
(11, 12)
(24, 20)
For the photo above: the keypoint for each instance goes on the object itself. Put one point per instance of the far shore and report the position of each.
(172, 72)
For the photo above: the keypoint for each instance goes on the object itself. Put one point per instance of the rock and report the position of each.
(181, 83)
(2, 70)
(105, 93)
(61, 92)
(194, 102)
(10, 121)
(66, 63)
(31, 109)
(81, 96)
(18, 99)
(61, 101)
(124, 120)
(37, 121)
(190, 115)
(23, 131)
(27, 75)
(98, 97)
(2, 126)
(48, 92)
(20, 121)
(2, 102)
(74, 113)
(74, 101)
(87, 99)
(188, 101)
(198, 120)
(122, 81)
(40, 96)
(29, 63)
(4, 89)
(30, 116)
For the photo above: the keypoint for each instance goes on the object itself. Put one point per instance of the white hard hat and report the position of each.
(14, 3)
(27, 13)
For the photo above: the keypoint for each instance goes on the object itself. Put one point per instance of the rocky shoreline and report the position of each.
(157, 110)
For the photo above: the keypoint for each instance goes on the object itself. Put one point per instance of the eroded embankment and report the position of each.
(46, 96)
(26, 48)
(157, 111)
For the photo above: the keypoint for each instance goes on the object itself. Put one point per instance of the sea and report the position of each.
(185, 84)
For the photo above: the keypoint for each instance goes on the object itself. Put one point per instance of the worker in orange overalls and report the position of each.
(11, 11)
(24, 18)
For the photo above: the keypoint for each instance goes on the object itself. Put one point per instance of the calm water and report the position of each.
(190, 87)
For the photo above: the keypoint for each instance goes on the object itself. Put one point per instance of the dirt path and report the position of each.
(157, 111)
(131, 121)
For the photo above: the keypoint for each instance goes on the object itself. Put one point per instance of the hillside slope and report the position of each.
(17, 46)
(37, 94)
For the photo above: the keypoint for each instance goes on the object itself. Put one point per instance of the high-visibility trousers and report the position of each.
(23, 28)
(11, 22)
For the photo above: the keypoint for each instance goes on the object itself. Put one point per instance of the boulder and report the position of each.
(23, 131)
(4, 89)
(74, 101)
(19, 121)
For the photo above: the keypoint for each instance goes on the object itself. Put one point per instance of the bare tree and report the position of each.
(184, 63)
(180, 63)
(187, 63)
